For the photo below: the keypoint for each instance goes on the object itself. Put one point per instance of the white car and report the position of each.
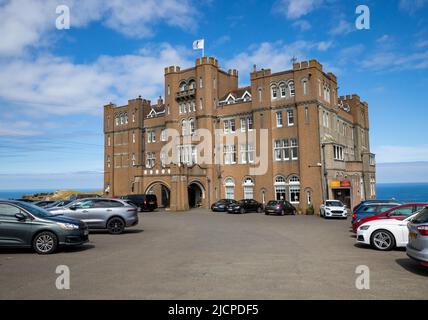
(384, 234)
(333, 209)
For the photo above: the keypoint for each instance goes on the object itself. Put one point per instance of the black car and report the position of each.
(221, 205)
(23, 225)
(146, 202)
(246, 205)
(281, 207)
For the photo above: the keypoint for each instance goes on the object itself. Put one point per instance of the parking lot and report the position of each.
(204, 255)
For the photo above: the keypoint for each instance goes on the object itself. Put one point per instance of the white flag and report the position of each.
(198, 44)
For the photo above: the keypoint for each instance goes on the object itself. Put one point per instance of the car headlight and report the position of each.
(365, 227)
(67, 226)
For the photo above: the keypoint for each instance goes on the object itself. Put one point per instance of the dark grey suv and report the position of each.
(23, 225)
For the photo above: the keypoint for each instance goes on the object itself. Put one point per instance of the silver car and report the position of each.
(101, 213)
(417, 247)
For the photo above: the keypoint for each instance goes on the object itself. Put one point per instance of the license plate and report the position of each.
(151, 202)
(413, 235)
(86, 232)
(271, 211)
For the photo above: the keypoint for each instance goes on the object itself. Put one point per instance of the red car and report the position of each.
(400, 213)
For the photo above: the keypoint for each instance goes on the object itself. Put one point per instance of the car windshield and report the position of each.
(421, 217)
(334, 204)
(35, 210)
(273, 203)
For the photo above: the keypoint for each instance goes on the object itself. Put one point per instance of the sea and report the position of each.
(405, 192)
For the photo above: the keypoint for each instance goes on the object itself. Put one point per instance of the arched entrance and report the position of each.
(162, 193)
(195, 192)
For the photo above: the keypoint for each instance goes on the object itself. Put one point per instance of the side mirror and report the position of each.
(20, 216)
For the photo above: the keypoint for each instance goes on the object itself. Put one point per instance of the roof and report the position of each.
(238, 93)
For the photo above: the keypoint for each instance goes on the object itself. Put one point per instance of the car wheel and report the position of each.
(259, 210)
(242, 211)
(115, 226)
(383, 240)
(45, 243)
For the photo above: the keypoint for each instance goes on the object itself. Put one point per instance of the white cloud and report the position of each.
(303, 25)
(54, 85)
(412, 6)
(18, 129)
(274, 55)
(343, 27)
(25, 23)
(394, 153)
(393, 61)
(294, 9)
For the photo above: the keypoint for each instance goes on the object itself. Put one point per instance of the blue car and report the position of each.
(372, 209)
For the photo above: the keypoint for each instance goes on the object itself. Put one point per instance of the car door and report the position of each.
(14, 232)
(96, 215)
(82, 210)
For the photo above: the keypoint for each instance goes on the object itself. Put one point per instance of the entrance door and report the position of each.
(195, 195)
(344, 195)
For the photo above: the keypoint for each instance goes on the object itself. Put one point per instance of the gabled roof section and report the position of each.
(236, 96)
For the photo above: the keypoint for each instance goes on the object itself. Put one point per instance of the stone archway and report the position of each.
(162, 192)
(196, 194)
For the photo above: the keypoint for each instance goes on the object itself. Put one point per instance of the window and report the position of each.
(187, 154)
(116, 120)
(229, 188)
(282, 150)
(406, 211)
(163, 135)
(150, 159)
(126, 118)
(192, 85)
(248, 188)
(134, 162)
(247, 153)
(290, 118)
(191, 126)
(229, 126)
(184, 128)
(108, 141)
(246, 124)
(133, 117)
(294, 187)
(372, 160)
(193, 104)
(162, 156)
(200, 82)
(250, 123)
(214, 83)
(338, 153)
(305, 87)
(260, 94)
(133, 137)
(168, 90)
(280, 188)
(183, 86)
(325, 120)
(274, 90)
(230, 154)
(201, 106)
(373, 186)
(151, 136)
(294, 149)
(122, 119)
(279, 119)
(243, 124)
(283, 90)
(308, 198)
(291, 88)
(108, 162)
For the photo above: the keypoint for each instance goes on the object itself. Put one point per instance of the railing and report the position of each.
(185, 94)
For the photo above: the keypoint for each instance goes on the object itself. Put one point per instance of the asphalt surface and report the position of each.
(204, 255)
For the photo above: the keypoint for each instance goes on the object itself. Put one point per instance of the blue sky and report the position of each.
(53, 83)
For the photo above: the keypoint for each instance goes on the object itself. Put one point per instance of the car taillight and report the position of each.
(423, 230)
(354, 216)
(278, 206)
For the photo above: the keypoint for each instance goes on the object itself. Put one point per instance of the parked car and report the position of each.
(372, 201)
(372, 209)
(146, 202)
(245, 205)
(281, 207)
(58, 204)
(333, 209)
(400, 212)
(83, 196)
(101, 213)
(417, 248)
(385, 234)
(23, 225)
(25, 200)
(44, 203)
(221, 205)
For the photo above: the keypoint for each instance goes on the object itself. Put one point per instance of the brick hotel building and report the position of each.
(318, 143)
